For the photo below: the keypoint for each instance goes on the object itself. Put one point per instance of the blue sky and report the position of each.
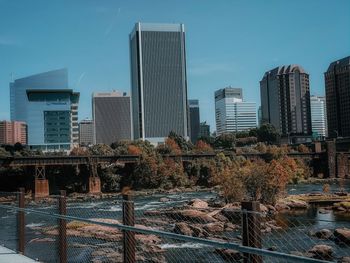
(228, 42)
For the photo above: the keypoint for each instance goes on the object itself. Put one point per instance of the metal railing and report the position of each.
(64, 235)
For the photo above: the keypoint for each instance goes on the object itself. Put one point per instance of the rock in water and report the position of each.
(323, 252)
(344, 260)
(198, 203)
(342, 235)
(214, 227)
(164, 199)
(297, 204)
(183, 229)
(323, 234)
(263, 208)
(193, 216)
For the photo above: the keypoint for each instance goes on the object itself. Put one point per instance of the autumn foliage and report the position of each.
(203, 147)
(173, 146)
(260, 180)
(134, 150)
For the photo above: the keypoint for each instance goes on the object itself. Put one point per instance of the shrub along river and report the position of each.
(295, 234)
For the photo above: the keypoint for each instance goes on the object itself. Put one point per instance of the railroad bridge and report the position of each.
(325, 163)
(41, 183)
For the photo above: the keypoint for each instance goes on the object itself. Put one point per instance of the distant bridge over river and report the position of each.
(327, 163)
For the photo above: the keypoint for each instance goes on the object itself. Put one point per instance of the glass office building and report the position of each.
(318, 116)
(232, 114)
(49, 108)
(194, 120)
(158, 81)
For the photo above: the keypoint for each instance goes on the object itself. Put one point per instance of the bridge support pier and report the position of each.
(94, 180)
(41, 184)
(331, 158)
(94, 185)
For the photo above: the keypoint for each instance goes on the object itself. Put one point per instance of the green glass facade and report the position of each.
(57, 126)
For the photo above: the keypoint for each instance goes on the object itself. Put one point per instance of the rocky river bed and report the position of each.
(292, 226)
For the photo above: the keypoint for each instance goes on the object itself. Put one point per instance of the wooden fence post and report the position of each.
(129, 242)
(21, 222)
(251, 229)
(62, 228)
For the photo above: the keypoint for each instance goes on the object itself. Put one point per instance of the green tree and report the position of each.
(242, 134)
(110, 179)
(253, 132)
(225, 141)
(267, 133)
(4, 153)
(145, 173)
(18, 147)
(120, 147)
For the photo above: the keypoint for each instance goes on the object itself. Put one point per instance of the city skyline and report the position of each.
(97, 53)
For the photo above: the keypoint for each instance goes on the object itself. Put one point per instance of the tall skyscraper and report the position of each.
(86, 132)
(337, 80)
(12, 132)
(49, 107)
(319, 116)
(111, 113)
(232, 114)
(194, 120)
(158, 81)
(285, 100)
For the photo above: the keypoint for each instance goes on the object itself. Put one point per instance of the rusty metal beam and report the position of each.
(87, 160)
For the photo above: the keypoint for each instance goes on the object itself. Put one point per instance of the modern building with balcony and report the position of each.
(337, 82)
(49, 108)
(285, 100)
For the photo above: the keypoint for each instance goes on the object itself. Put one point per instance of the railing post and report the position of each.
(129, 242)
(21, 223)
(251, 229)
(62, 228)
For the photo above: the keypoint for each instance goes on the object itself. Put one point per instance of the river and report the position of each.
(292, 238)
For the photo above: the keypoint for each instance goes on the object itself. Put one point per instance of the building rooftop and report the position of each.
(229, 92)
(339, 63)
(109, 94)
(54, 79)
(158, 27)
(286, 69)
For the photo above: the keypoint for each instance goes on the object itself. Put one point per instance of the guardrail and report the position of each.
(250, 250)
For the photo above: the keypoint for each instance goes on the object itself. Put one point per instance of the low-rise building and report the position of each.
(86, 132)
(12, 132)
